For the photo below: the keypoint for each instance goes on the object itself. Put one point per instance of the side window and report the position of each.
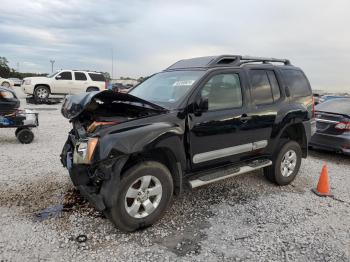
(296, 82)
(274, 85)
(97, 77)
(261, 88)
(64, 76)
(80, 76)
(223, 91)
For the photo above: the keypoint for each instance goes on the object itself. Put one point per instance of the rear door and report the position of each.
(80, 83)
(266, 97)
(63, 83)
(221, 135)
(98, 80)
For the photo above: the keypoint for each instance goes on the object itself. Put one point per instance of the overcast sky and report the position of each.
(149, 35)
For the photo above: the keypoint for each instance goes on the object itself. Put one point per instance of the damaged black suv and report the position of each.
(199, 121)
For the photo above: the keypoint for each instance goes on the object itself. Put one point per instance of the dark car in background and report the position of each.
(333, 126)
(330, 97)
(118, 87)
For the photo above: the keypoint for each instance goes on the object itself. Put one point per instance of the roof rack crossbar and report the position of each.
(248, 59)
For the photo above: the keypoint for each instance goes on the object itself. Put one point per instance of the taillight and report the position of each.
(343, 126)
(106, 85)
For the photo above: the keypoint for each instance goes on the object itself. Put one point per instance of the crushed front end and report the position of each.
(94, 169)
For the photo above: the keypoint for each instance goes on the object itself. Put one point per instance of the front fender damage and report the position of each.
(98, 183)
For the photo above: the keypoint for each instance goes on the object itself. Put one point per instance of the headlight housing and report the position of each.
(6, 95)
(27, 81)
(84, 151)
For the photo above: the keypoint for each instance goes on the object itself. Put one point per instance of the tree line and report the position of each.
(7, 72)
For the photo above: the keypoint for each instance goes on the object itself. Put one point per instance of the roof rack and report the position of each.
(238, 60)
(265, 60)
(224, 60)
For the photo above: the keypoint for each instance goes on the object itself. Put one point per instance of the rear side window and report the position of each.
(265, 89)
(80, 76)
(276, 93)
(296, 82)
(97, 77)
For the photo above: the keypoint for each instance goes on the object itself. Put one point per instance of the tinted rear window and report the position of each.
(338, 106)
(297, 83)
(80, 76)
(97, 77)
(265, 88)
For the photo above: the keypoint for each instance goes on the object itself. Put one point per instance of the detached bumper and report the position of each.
(338, 143)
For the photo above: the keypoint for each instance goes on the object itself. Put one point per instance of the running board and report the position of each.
(229, 172)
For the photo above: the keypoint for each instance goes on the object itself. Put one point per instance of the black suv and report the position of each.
(199, 121)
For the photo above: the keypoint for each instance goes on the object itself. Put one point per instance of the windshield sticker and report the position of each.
(184, 83)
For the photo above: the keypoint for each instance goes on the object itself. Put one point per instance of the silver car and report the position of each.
(333, 126)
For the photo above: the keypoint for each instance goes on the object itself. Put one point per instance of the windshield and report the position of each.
(52, 75)
(167, 88)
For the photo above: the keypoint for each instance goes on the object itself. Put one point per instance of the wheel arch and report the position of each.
(38, 85)
(94, 87)
(162, 155)
(295, 131)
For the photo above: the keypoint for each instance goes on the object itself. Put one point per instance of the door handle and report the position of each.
(244, 118)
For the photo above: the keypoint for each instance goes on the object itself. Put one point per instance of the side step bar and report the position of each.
(226, 173)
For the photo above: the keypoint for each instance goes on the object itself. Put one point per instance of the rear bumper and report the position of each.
(339, 143)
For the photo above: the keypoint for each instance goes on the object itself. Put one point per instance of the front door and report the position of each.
(63, 83)
(220, 134)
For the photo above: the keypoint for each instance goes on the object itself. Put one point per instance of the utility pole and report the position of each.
(112, 73)
(52, 63)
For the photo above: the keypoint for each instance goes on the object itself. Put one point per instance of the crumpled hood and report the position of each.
(75, 105)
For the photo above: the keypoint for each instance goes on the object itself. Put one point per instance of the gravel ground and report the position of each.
(243, 218)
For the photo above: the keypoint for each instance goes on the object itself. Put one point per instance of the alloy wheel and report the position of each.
(143, 196)
(289, 162)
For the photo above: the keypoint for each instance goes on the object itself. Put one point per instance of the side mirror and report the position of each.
(58, 77)
(202, 106)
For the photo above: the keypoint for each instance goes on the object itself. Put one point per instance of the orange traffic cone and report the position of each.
(323, 183)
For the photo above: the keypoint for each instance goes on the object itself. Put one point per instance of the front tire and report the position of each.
(285, 164)
(41, 93)
(146, 190)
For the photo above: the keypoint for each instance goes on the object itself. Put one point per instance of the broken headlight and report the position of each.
(84, 151)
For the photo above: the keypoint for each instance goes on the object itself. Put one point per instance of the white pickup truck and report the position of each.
(64, 82)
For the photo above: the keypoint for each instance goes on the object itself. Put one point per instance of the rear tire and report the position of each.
(285, 164)
(6, 84)
(146, 190)
(25, 136)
